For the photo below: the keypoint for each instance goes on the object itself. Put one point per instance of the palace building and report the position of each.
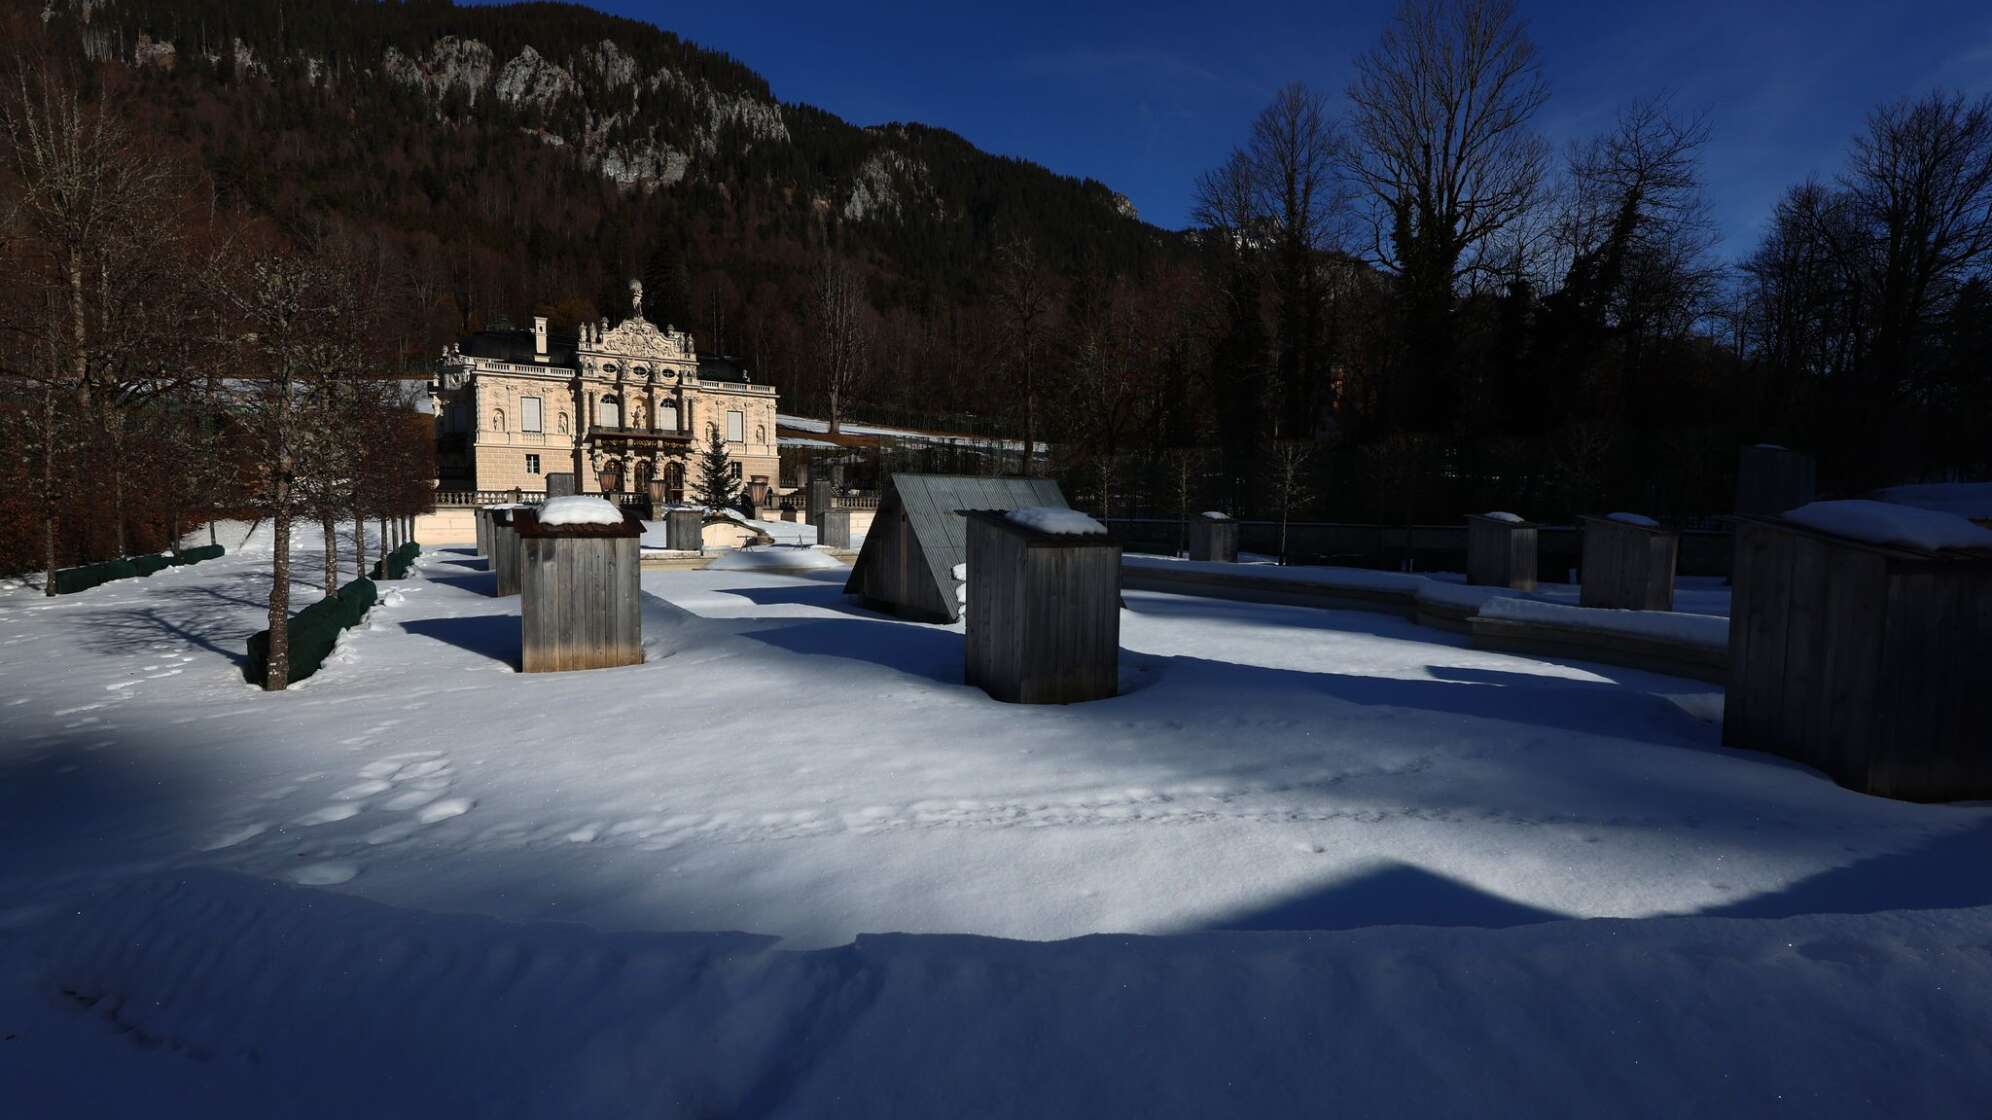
(615, 406)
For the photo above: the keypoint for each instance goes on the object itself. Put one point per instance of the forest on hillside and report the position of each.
(1398, 303)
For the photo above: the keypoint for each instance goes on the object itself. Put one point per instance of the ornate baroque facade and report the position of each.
(617, 406)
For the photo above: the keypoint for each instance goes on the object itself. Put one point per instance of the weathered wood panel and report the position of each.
(1500, 553)
(1628, 567)
(835, 529)
(580, 604)
(1867, 662)
(1214, 539)
(684, 530)
(1771, 480)
(505, 552)
(1043, 614)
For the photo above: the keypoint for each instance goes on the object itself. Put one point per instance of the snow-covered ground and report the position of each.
(178, 844)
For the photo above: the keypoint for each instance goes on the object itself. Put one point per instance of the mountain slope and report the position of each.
(536, 155)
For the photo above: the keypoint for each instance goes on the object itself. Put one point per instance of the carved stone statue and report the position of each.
(636, 299)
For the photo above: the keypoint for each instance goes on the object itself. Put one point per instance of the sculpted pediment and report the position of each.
(640, 338)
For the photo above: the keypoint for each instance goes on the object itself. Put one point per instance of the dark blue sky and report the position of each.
(1146, 96)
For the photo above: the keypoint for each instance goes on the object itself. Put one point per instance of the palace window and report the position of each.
(667, 416)
(532, 464)
(733, 468)
(529, 414)
(735, 421)
(608, 414)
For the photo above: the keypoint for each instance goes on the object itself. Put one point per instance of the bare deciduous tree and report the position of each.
(1023, 292)
(1442, 111)
(838, 314)
(93, 220)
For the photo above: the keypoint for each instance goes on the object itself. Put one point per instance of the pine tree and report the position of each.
(717, 487)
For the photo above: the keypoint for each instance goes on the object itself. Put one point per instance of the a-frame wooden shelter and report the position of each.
(918, 536)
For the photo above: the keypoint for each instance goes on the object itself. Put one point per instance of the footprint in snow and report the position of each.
(236, 836)
(341, 812)
(327, 874)
(414, 799)
(445, 809)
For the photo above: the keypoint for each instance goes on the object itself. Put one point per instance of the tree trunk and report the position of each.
(276, 675)
(211, 539)
(381, 546)
(331, 555)
(48, 492)
(117, 505)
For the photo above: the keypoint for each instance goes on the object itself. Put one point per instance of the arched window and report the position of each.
(609, 412)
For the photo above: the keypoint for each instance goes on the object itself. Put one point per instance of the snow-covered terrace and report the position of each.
(321, 902)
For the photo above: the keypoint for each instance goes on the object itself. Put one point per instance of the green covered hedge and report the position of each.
(398, 562)
(68, 581)
(313, 632)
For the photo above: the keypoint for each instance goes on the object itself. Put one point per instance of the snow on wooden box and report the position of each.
(1863, 658)
(1214, 538)
(579, 603)
(1772, 479)
(1500, 551)
(1628, 563)
(1044, 608)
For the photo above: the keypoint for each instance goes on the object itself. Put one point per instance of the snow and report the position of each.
(1056, 520)
(1215, 515)
(1511, 518)
(1634, 519)
(1966, 499)
(1887, 523)
(1707, 631)
(772, 558)
(959, 571)
(233, 997)
(579, 509)
(796, 533)
(1307, 854)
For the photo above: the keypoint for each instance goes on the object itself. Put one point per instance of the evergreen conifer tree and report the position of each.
(717, 487)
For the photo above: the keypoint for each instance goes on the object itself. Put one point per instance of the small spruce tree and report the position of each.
(717, 487)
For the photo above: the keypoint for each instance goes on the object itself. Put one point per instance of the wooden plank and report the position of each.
(1804, 630)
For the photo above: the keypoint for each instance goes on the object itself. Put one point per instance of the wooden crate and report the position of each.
(834, 530)
(579, 601)
(1627, 566)
(1500, 553)
(1866, 661)
(505, 549)
(1771, 480)
(1214, 539)
(684, 530)
(1043, 613)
